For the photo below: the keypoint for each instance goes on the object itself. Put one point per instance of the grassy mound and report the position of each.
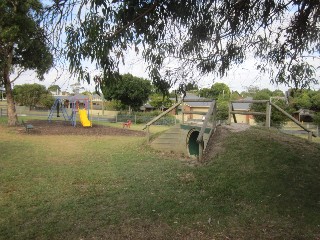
(262, 185)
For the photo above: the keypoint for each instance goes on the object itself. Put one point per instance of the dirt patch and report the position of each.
(43, 127)
(237, 127)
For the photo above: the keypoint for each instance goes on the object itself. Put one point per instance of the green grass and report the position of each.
(265, 185)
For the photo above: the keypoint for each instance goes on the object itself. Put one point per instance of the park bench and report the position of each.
(27, 126)
(126, 124)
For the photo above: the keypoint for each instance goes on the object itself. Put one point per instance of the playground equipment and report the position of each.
(75, 104)
(188, 138)
(127, 124)
(84, 118)
(84, 113)
(57, 107)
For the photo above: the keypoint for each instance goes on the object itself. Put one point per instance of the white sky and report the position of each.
(238, 78)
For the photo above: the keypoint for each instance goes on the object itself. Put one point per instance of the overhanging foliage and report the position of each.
(209, 36)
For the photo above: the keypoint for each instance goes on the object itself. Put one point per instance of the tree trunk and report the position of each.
(12, 115)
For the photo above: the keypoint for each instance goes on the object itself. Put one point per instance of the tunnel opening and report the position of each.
(193, 145)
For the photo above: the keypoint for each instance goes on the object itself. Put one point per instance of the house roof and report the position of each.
(242, 106)
(306, 112)
(146, 106)
(198, 104)
(195, 104)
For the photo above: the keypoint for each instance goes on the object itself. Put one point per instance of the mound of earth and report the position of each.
(43, 127)
(215, 144)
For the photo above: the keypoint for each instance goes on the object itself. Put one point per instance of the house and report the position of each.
(195, 107)
(304, 115)
(244, 107)
(147, 107)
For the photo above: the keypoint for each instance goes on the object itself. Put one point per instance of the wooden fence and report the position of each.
(267, 113)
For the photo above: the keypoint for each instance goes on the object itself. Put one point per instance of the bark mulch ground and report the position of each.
(43, 127)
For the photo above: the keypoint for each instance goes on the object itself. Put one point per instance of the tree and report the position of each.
(87, 93)
(130, 90)
(217, 90)
(32, 95)
(191, 86)
(220, 90)
(157, 101)
(23, 45)
(208, 36)
(316, 119)
(308, 99)
(315, 99)
(222, 109)
(54, 88)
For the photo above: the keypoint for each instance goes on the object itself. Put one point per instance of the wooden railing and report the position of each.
(233, 112)
(147, 126)
(267, 113)
(310, 133)
(211, 112)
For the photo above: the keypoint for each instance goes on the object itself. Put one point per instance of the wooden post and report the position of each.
(200, 151)
(182, 113)
(230, 110)
(148, 134)
(310, 136)
(268, 115)
(135, 119)
(234, 115)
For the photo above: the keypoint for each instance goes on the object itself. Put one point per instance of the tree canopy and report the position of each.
(54, 88)
(23, 45)
(130, 90)
(307, 99)
(206, 36)
(32, 95)
(217, 90)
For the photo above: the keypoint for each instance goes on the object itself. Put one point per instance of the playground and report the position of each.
(59, 127)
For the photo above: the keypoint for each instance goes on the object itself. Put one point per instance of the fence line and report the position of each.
(3, 112)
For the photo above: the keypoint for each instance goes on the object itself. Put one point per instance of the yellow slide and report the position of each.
(84, 118)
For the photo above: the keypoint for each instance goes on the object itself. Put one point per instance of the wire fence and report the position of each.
(142, 119)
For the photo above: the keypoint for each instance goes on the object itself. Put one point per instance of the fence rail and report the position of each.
(3, 112)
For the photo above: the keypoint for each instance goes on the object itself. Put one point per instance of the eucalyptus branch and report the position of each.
(150, 9)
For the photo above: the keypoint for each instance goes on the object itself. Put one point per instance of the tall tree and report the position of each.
(23, 45)
(209, 36)
(130, 90)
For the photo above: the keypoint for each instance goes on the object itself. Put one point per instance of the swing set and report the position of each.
(85, 113)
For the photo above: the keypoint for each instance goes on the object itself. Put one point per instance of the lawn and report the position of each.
(265, 185)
